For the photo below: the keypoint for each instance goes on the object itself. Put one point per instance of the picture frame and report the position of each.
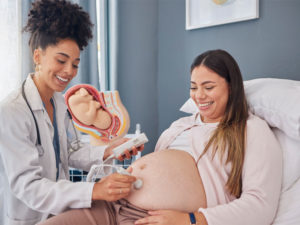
(206, 13)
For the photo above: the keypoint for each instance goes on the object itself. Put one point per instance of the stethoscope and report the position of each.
(74, 146)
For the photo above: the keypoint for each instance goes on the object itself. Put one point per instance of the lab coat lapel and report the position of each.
(61, 112)
(35, 101)
(32, 94)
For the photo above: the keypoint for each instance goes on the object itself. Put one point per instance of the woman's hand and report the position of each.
(165, 217)
(113, 187)
(170, 217)
(127, 153)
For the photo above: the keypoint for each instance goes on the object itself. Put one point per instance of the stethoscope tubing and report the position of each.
(38, 142)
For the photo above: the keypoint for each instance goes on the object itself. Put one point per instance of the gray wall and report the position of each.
(137, 64)
(156, 52)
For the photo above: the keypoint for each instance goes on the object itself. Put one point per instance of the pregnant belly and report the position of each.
(170, 181)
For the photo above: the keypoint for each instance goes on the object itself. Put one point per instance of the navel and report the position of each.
(143, 166)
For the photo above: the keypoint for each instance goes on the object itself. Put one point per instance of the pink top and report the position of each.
(262, 173)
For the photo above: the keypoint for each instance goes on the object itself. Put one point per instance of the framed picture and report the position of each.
(206, 13)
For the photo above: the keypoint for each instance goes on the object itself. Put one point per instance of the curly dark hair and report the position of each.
(50, 21)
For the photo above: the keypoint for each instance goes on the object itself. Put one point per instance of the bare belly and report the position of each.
(170, 181)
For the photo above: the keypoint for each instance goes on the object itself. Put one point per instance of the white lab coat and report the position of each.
(30, 191)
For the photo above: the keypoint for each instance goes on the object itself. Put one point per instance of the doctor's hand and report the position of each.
(127, 153)
(113, 187)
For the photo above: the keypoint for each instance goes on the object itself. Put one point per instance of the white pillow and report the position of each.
(189, 107)
(277, 101)
(291, 158)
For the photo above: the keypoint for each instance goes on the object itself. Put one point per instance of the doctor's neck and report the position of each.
(44, 90)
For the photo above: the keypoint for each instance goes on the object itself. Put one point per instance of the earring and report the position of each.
(38, 68)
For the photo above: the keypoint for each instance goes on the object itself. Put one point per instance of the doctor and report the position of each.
(37, 140)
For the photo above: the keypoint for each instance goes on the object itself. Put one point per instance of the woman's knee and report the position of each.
(101, 213)
(71, 217)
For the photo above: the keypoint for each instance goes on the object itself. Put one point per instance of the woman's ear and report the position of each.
(37, 56)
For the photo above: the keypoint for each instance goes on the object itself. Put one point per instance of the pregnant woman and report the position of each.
(226, 169)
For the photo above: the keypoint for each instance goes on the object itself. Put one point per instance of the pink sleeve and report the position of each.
(262, 175)
(170, 134)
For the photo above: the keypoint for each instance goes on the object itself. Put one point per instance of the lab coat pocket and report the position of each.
(10, 221)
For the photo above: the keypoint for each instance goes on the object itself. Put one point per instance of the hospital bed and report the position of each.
(277, 101)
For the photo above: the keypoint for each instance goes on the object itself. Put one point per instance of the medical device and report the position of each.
(135, 141)
(137, 132)
(74, 146)
(97, 172)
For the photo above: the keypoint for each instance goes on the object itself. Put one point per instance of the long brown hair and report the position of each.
(230, 133)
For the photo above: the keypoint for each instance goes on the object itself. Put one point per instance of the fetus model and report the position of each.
(100, 114)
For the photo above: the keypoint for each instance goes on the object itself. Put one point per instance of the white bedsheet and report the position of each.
(291, 158)
(289, 207)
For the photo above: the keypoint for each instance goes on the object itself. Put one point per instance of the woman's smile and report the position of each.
(204, 106)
